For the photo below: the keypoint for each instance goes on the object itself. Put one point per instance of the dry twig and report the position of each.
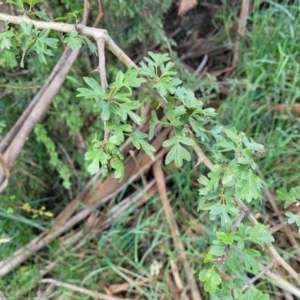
(260, 275)
(245, 7)
(81, 290)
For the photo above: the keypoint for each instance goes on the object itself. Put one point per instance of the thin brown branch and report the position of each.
(279, 227)
(132, 282)
(120, 287)
(86, 12)
(81, 290)
(176, 277)
(100, 14)
(234, 228)
(260, 275)
(202, 158)
(19, 87)
(245, 7)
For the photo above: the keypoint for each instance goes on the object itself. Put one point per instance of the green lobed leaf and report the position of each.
(95, 92)
(159, 58)
(187, 141)
(106, 108)
(252, 145)
(119, 79)
(123, 127)
(233, 261)
(256, 295)
(118, 166)
(117, 137)
(70, 16)
(90, 44)
(6, 40)
(211, 278)
(18, 3)
(93, 167)
(170, 142)
(153, 123)
(138, 141)
(134, 117)
(203, 180)
(250, 258)
(227, 178)
(260, 235)
(41, 15)
(8, 58)
(288, 197)
(50, 42)
(188, 98)
(74, 40)
(226, 238)
(251, 188)
(292, 218)
(231, 133)
(136, 137)
(177, 154)
(2, 125)
(208, 257)
(26, 27)
(215, 176)
(147, 70)
(131, 79)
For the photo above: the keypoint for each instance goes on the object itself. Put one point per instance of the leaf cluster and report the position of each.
(116, 109)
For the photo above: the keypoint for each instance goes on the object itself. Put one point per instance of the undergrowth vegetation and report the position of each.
(250, 166)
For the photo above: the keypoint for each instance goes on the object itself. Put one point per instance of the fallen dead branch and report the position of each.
(160, 182)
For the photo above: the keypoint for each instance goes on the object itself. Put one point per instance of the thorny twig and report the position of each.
(234, 228)
(269, 267)
(279, 227)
